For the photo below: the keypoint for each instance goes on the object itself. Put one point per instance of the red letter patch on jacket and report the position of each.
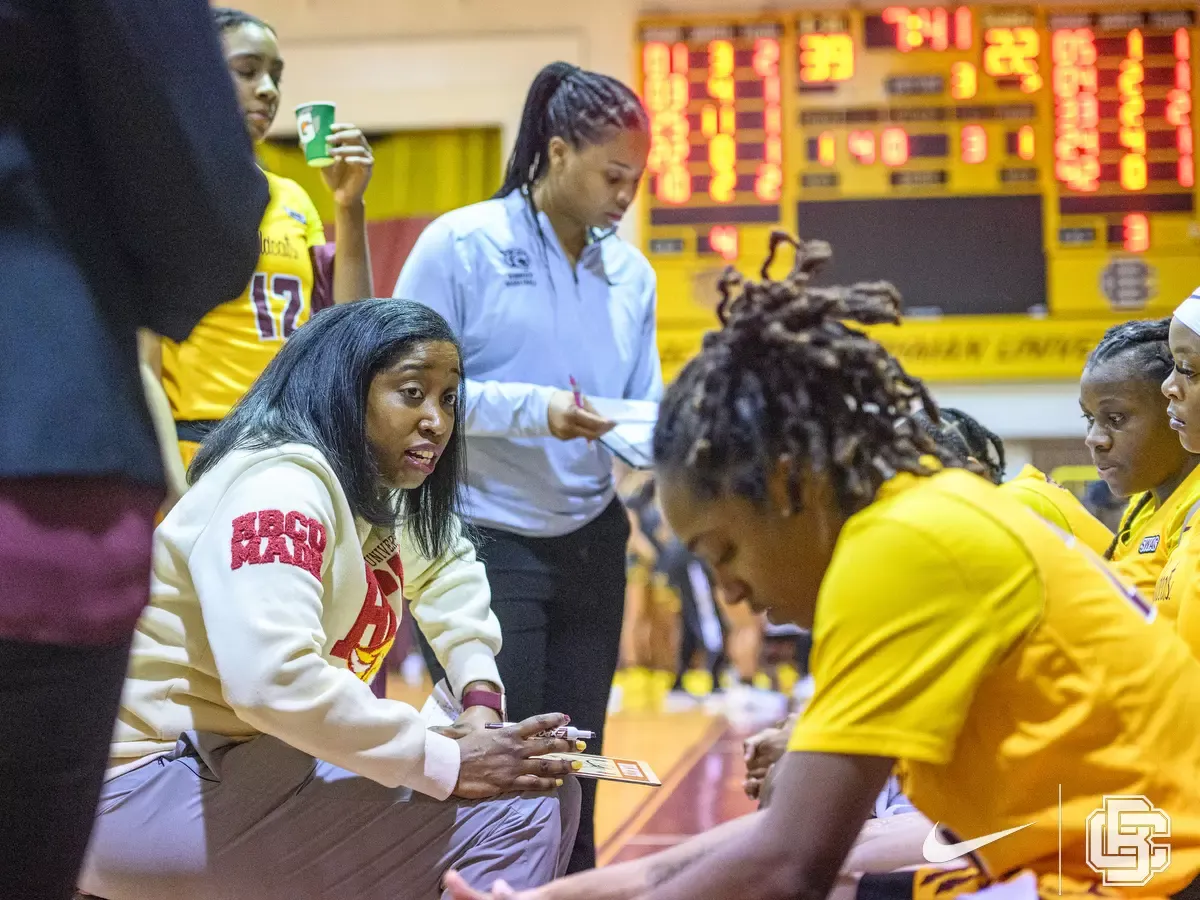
(293, 538)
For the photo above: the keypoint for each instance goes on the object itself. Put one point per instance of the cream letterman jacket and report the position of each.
(272, 609)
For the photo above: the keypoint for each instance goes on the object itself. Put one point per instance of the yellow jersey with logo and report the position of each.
(1147, 541)
(1059, 507)
(208, 373)
(1007, 669)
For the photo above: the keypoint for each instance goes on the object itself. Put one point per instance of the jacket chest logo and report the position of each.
(366, 645)
(519, 268)
(1149, 544)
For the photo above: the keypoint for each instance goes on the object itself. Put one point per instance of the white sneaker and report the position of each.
(679, 702)
(615, 700)
(751, 708)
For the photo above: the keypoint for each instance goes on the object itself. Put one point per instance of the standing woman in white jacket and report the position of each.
(544, 296)
(250, 757)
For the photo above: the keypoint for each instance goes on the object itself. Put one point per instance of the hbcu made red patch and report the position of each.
(291, 538)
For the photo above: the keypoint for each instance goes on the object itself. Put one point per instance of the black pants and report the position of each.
(57, 707)
(696, 614)
(560, 602)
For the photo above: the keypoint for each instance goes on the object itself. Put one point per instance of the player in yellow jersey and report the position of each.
(1178, 592)
(1134, 449)
(1007, 669)
(208, 373)
(965, 436)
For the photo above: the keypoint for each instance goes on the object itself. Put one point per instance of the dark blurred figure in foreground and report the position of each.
(128, 198)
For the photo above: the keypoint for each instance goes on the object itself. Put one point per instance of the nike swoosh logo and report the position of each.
(935, 851)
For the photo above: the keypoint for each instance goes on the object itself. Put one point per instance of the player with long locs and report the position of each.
(953, 632)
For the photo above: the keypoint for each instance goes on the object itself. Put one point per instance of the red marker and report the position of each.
(575, 391)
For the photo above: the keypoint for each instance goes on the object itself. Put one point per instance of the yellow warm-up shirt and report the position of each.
(1059, 507)
(999, 660)
(1148, 540)
(1177, 593)
(208, 373)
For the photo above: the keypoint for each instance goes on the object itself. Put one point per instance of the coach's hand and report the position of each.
(499, 760)
(568, 420)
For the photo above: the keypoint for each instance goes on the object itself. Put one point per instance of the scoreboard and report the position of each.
(1025, 176)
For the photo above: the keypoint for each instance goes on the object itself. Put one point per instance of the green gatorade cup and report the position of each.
(314, 121)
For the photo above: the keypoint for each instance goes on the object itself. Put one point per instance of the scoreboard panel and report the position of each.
(1024, 175)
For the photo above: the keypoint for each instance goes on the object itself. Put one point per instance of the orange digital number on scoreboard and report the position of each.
(916, 28)
(719, 122)
(1013, 53)
(1179, 107)
(666, 93)
(974, 144)
(1131, 114)
(826, 58)
(1076, 109)
(768, 179)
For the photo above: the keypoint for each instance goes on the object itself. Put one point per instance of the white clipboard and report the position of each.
(632, 440)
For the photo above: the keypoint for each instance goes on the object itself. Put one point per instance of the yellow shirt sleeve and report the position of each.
(1040, 504)
(908, 624)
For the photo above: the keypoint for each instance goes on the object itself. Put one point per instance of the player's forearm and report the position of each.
(743, 864)
(352, 258)
(629, 880)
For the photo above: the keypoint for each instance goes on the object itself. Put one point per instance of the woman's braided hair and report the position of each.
(1146, 340)
(786, 379)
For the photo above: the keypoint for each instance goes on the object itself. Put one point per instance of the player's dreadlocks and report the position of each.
(1145, 341)
(784, 379)
(982, 444)
(962, 435)
(225, 17)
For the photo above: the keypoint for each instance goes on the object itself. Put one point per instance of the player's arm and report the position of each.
(791, 851)
(348, 179)
(796, 848)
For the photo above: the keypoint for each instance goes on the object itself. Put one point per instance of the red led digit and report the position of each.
(666, 94)
(827, 148)
(893, 147)
(1135, 230)
(861, 145)
(962, 28)
(939, 27)
(768, 176)
(974, 144)
(723, 239)
(898, 16)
